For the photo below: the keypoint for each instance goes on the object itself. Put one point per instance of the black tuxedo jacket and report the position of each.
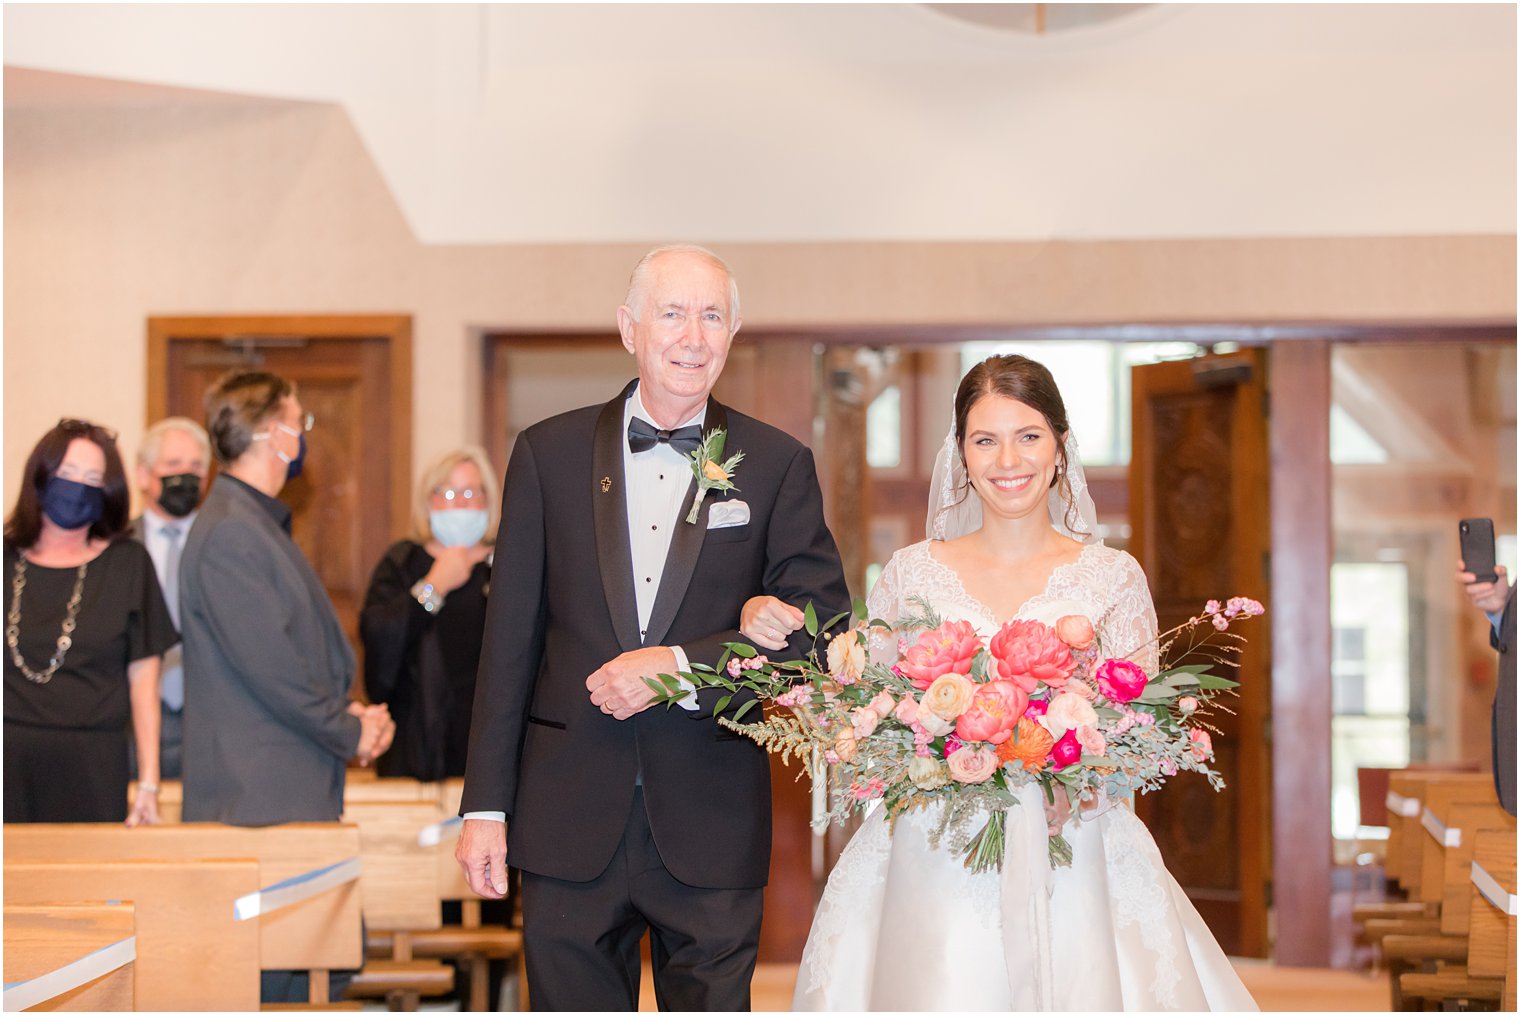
(1503, 723)
(562, 604)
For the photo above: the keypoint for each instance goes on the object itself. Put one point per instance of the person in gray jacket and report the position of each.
(269, 726)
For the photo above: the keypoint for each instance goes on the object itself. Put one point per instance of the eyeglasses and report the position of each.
(85, 428)
(468, 495)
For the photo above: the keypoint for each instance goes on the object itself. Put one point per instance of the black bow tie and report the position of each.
(642, 436)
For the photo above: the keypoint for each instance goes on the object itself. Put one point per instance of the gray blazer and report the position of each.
(267, 732)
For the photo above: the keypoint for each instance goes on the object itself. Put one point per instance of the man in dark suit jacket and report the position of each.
(1497, 600)
(625, 817)
(270, 727)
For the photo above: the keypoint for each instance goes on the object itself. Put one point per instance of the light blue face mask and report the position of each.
(458, 526)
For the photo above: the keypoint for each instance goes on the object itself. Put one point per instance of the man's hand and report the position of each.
(1486, 596)
(618, 688)
(767, 621)
(482, 855)
(376, 730)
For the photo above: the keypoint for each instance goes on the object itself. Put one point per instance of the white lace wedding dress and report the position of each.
(905, 927)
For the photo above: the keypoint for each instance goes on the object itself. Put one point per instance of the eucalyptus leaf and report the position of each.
(1209, 682)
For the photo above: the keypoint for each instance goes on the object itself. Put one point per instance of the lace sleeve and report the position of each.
(885, 603)
(1129, 624)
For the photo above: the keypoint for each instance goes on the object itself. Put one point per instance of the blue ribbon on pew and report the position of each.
(295, 889)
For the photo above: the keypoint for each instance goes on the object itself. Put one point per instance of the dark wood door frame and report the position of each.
(396, 329)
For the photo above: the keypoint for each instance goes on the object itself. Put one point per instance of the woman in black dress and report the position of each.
(85, 630)
(424, 616)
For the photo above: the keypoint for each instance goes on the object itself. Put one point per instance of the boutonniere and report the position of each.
(711, 475)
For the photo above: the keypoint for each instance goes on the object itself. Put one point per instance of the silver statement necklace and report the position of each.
(65, 637)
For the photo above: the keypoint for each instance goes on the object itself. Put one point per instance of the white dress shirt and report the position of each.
(654, 483)
(172, 685)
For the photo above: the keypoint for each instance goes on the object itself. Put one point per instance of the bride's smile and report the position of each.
(1011, 455)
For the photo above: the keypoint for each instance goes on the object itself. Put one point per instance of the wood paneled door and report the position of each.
(1202, 522)
(354, 375)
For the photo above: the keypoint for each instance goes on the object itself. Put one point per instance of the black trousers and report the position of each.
(581, 939)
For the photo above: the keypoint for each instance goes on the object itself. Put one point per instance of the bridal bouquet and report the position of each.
(965, 722)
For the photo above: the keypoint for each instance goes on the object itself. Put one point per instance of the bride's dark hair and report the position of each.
(1024, 380)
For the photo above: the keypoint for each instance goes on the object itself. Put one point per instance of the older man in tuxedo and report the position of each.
(623, 817)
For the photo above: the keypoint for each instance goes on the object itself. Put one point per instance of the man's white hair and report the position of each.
(638, 282)
(147, 451)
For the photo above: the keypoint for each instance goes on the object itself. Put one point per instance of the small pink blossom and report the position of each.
(1211, 607)
(864, 721)
(1187, 705)
(869, 790)
(953, 744)
(906, 711)
(735, 666)
(756, 663)
(831, 757)
(922, 751)
(1202, 746)
(1092, 741)
(1221, 622)
(1168, 766)
(883, 704)
(1067, 751)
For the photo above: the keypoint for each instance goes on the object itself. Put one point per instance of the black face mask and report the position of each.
(180, 494)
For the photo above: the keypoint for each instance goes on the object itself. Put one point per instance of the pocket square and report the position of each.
(727, 514)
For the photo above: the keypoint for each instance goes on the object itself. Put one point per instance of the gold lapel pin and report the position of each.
(606, 484)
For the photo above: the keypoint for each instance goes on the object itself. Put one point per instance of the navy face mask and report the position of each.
(72, 505)
(293, 467)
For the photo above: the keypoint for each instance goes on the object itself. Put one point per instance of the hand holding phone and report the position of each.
(1476, 536)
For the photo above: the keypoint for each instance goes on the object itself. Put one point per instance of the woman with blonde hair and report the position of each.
(424, 617)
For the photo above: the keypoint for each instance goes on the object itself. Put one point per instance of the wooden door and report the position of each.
(1202, 522)
(354, 375)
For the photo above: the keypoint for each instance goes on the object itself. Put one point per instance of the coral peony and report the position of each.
(949, 648)
(1075, 630)
(949, 696)
(994, 711)
(1067, 751)
(1029, 652)
(1120, 679)
(972, 764)
(1029, 746)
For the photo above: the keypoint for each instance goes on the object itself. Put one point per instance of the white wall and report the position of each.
(799, 123)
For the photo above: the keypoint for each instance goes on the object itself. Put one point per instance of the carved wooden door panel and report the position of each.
(352, 497)
(1201, 522)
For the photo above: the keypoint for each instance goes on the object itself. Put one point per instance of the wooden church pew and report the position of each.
(43, 939)
(192, 954)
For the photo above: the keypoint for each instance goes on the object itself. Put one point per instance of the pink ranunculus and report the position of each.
(1075, 630)
(883, 704)
(1202, 746)
(906, 711)
(1067, 751)
(1029, 653)
(864, 721)
(1037, 707)
(1067, 711)
(949, 696)
(995, 711)
(1120, 679)
(1092, 741)
(949, 648)
(973, 764)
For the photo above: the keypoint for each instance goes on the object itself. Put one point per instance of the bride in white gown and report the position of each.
(903, 926)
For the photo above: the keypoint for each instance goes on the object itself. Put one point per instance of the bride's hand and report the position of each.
(1058, 813)
(766, 621)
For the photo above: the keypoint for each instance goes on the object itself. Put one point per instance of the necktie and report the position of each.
(642, 436)
(173, 687)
